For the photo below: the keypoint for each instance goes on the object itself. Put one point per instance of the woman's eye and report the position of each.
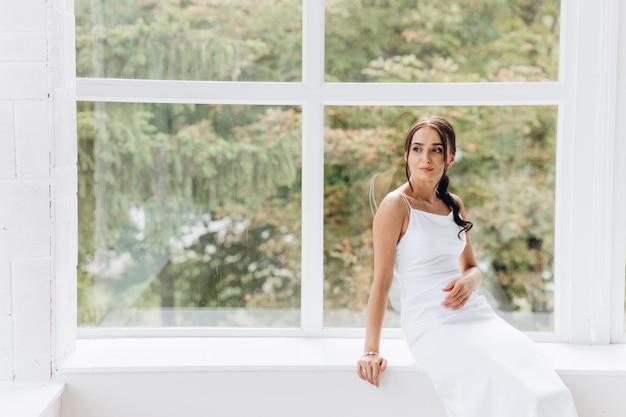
(438, 150)
(417, 149)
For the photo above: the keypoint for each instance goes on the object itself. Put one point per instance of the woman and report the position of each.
(479, 364)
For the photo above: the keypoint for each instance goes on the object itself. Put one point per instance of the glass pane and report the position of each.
(505, 174)
(189, 215)
(441, 41)
(218, 40)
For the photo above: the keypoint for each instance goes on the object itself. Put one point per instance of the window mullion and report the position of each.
(585, 172)
(312, 167)
(619, 190)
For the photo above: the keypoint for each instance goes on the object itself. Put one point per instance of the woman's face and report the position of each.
(425, 156)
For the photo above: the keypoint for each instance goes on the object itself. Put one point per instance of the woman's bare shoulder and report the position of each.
(391, 217)
(462, 209)
(393, 208)
(458, 200)
(393, 201)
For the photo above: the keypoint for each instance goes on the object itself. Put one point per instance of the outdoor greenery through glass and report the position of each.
(213, 40)
(504, 172)
(189, 215)
(168, 239)
(442, 40)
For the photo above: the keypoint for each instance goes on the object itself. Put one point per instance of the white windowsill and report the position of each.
(28, 400)
(125, 355)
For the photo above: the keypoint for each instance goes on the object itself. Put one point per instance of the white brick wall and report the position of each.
(6, 323)
(31, 319)
(7, 140)
(23, 16)
(38, 213)
(24, 47)
(32, 134)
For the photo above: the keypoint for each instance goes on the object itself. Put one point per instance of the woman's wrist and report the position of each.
(474, 277)
(370, 353)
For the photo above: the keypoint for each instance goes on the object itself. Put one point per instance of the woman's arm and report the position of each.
(389, 222)
(460, 289)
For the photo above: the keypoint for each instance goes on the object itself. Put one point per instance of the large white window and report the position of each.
(231, 154)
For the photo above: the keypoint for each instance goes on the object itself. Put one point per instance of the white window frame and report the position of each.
(590, 231)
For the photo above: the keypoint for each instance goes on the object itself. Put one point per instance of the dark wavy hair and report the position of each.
(448, 138)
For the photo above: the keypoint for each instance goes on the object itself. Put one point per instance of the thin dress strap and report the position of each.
(408, 205)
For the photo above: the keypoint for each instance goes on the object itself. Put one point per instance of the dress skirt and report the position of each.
(487, 368)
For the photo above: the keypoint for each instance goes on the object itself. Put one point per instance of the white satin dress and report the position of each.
(479, 364)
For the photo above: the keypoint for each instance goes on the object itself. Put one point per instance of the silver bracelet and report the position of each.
(370, 354)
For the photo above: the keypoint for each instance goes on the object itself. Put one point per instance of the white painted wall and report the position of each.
(37, 186)
(291, 377)
(290, 393)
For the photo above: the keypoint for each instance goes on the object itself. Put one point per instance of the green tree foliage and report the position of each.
(504, 172)
(441, 41)
(506, 168)
(234, 40)
(167, 188)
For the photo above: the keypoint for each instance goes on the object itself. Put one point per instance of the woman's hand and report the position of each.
(459, 291)
(370, 367)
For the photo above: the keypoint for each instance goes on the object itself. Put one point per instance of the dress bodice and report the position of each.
(430, 246)
(427, 259)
